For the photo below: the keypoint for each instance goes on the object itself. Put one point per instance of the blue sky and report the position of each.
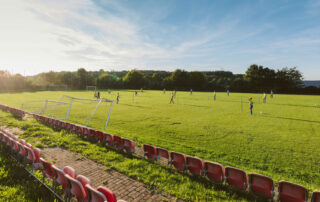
(39, 36)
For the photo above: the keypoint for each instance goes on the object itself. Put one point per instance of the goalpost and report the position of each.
(84, 110)
(91, 88)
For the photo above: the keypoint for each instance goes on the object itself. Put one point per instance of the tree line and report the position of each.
(256, 79)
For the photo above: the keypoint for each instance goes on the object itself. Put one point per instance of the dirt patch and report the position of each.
(16, 131)
(124, 187)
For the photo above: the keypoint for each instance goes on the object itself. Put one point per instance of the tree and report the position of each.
(179, 79)
(288, 78)
(106, 80)
(260, 78)
(134, 79)
(197, 80)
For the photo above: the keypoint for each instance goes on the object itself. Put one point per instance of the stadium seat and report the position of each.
(109, 139)
(47, 169)
(32, 157)
(261, 185)
(102, 137)
(99, 136)
(150, 152)
(59, 178)
(315, 196)
(64, 125)
(86, 131)
(195, 165)
(74, 128)
(118, 142)
(70, 171)
(76, 187)
(214, 171)
(69, 127)
(111, 197)
(79, 130)
(236, 178)
(22, 150)
(291, 192)
(162, 153)
(128, 145)
(178, 160)
(94, 195)
(93, 134)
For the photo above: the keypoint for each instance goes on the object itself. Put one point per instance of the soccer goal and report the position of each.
(84, 111)
(91, 88)
(43, 106)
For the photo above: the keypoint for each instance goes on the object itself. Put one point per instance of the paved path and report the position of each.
(124, 187)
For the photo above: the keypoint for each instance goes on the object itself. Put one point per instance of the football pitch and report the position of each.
(281, 139)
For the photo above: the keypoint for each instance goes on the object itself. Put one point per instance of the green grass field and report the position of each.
(281, 139)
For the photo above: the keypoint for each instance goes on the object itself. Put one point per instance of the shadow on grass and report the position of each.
(288, 118)
(293, 105)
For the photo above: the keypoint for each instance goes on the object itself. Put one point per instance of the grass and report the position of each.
(17, 185)
(282, 142)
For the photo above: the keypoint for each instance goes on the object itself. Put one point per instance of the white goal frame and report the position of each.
(42, 111)
(94, 87)
(94, 111)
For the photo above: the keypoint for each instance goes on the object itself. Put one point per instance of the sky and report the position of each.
(206, 35)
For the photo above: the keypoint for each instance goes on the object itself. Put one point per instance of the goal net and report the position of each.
(93, 113)
(91, 88)
(43, 107)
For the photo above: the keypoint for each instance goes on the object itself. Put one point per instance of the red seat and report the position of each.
(102, 137)
(93, 134)
(118, 142)
(109, 139)
(69, 126)
(261, 185)
(74, 128)
(59, 177)
(76, 186)
(111, 197)
(64, 125)
(128, 145)
(237, 178)
(99, 136)
(178, 160)
(22, 150)
(163, 153)
(150, 152)
(94, 195)
(289, 192)
(214, 171)
(29, 156)
(79, 130)
(315, 196)
(22, 141)
(86, 131)
(70, 171)
(47, 169)
(195, 165)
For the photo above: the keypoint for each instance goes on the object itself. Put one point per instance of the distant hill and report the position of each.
(312, 83)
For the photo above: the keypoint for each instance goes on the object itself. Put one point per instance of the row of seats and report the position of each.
(17, 112)
(257, 184)
(73, 185)
(118, 142)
